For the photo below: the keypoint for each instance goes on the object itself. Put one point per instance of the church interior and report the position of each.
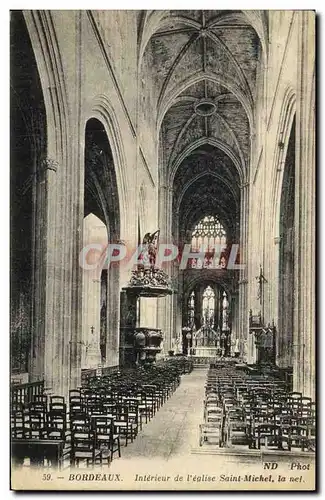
(162, 233)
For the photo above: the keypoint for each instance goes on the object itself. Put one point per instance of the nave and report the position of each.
(174, 431)
(170, 411)
(161, 226)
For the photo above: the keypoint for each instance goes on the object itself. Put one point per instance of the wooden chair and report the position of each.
(36, 426)
(58, 405)
(59, 422)
(80, 422)
(213, 413)
(105, 436)
(145, 407)
(76, 407)
(308, 434)
(211, 431)
(83, 449)
(55, 433)
(236, 429)
(134, 416)
(269, 434)
(123, 425)
(18, 425)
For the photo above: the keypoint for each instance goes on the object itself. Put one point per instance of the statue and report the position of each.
(149, 251)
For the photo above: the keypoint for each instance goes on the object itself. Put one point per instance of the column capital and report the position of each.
(49, 164)
(244, 185)
(277, 240)
(45, 165)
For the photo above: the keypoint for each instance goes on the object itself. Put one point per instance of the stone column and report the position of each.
(177, 301)
(56, 348)
(235, 336)
(304, 316)
(43, 285)
(165, 304)
(113, 314)
(242, 333)
(275, 296)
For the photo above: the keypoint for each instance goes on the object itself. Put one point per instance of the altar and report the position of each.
(206, 352)
(209, 343)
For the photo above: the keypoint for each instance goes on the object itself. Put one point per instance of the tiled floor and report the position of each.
(174, 430)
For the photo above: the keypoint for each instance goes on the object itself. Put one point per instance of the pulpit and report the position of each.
(140, 345)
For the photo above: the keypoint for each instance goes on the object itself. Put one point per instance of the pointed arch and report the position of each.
(104, 112)
(281, 146)
(212, 142)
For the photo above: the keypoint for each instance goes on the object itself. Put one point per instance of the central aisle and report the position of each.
(174, 430)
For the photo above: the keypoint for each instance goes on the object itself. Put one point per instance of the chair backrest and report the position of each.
(54, 433)
(37, 413)
(57, 421)
(36, 425)
(295, 396)
(18, 425)
(37, 407)
(83, 441)
(17, 407)
(121, 412)
(57, 399)
(58, 407)
(75, 393)
(76, 407)
(103, 426)
(77, 419)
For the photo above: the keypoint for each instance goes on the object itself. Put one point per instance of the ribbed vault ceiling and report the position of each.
(207, 183)
(205, 72)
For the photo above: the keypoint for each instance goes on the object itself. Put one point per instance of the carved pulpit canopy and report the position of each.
(148, 280)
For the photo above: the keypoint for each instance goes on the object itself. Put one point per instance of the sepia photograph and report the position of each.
(162, 250)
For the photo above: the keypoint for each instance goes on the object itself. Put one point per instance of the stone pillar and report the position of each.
(128, 304)
(56, 348)
(113, 325)
(165, 304)
(197, 307)
(304, 317)
(95, 232)
(178, 301)
(234, 319)
(91, 323)
(57, 278)
(242, 333)
(43, 283)
(275, 305)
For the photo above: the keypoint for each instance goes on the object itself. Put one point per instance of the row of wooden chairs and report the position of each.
(98, 417)
(256, 411)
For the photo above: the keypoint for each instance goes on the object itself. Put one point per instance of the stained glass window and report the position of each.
(208, 307)
(208, 234)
